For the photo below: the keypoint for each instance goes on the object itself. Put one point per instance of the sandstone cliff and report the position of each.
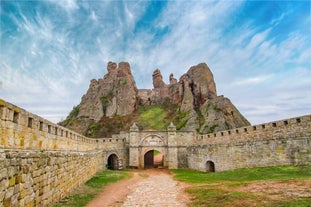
(113, 103)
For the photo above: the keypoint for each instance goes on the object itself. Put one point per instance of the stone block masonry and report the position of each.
(42, 162)
(40, 178)
(23, 130)
(284, 142)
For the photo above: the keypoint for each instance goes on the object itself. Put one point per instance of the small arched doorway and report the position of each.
(153, 159)
(112, 162)
(210, 166)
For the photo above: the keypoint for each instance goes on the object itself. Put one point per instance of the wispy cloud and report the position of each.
(259, 58)
(253, 80)
(68, 5)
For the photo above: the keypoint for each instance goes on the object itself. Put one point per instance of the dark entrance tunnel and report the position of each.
(153, 159)
(112, 163)
(210, 166)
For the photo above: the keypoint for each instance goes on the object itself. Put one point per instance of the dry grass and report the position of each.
(281, 186)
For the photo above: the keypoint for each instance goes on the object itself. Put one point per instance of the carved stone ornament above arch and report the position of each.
(153, 140)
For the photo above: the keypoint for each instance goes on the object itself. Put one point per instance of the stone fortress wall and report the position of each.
(284, 142)
(41, 162)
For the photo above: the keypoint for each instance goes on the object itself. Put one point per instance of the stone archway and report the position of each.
(153, 159)
(210, 166)
(112, 162)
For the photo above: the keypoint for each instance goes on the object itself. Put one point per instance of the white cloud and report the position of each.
(58, 56)
(257, 39)
(68, 5)
(93, 16)
(253, 80)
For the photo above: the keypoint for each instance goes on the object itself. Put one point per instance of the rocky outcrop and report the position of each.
(191, 91)
(157, 79)
(194, 94)
(114, 94)
(220, 114)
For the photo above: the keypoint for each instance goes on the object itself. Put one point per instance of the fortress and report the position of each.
(41, 162)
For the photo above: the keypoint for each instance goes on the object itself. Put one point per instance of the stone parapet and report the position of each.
(21, 129)
(284, 142)
(41, 178)
(287, 128)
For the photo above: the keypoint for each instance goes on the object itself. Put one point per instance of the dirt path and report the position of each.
(145, 188)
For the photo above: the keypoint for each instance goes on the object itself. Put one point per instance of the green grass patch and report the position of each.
(245, 174)
(93, 129)
(156, 152)
(301, 202)
(224, 188)
(105, 177)
(209, 196)
(85, 193)
(181, 119)
(76, 200)
(153, 117)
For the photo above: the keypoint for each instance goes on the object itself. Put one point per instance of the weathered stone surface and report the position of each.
(220, 114)
(116, 94)
(172, 79)
(112, 68)
(157, 79)
(202, 83)
(31, 174)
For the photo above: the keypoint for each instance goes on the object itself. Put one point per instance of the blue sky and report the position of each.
(258, 51)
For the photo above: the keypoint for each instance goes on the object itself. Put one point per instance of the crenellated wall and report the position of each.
(41, 162)
(284, 142)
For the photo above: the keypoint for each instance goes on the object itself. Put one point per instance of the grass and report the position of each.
(223, 188)
(153, 117)
(156, 152)
(85, 193)
(219, 198)
(246, 174)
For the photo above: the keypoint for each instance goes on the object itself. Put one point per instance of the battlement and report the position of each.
(69, 158)
(21, 129)
(271, 130)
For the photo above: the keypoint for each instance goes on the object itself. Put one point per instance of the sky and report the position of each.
(258, 51)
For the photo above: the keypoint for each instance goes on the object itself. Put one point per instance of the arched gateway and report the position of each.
(153, 159)
(150, 149)
(153, 149)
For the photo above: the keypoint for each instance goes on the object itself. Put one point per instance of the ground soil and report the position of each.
(152, 187)
(156, 187)
(277, 190)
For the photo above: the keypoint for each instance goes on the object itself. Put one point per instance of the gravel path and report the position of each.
(147, 188)
(158, 189)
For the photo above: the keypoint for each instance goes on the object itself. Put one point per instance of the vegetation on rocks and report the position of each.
(154, 117)
(113, 103)
(72, 117)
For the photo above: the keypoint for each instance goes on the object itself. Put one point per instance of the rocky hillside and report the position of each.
(113, 103)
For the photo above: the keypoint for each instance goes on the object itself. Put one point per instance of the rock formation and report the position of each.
(194, 95)
(157, 79)
(115, 94)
